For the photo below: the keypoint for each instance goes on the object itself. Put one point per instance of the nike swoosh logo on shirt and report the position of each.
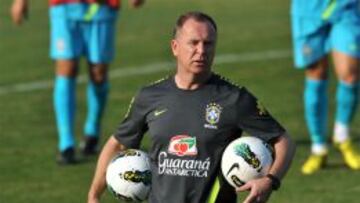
(159, 112)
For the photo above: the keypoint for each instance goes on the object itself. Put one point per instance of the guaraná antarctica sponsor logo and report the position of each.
(212, 115)
(181, 146)
(183, 167)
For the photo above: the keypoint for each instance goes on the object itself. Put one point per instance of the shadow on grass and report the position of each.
(302, 142)
(335, 166)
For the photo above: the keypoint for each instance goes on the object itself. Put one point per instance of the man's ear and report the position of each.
(174, 47)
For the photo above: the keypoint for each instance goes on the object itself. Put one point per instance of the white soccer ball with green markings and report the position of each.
(128, 175)
(244, 159)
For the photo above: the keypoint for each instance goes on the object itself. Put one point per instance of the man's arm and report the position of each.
(260, 189)
(19, 11)
(98, 184)
(284, 153)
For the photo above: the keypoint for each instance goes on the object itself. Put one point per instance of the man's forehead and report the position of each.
(196, 21)
(195, 26)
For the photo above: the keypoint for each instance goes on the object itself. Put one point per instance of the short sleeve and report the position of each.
(131, 130)
(254, 119)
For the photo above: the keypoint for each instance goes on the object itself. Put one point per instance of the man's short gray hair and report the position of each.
(197, 16)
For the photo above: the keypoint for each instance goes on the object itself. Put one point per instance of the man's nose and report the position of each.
(201, 48)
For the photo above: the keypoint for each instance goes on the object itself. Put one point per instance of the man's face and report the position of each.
(194, 46)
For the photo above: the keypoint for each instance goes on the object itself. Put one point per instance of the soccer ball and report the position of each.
(128, 175)
(244, 159)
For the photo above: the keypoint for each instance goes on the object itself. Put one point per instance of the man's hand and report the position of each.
(260, 190)
(19, 11)
(136, 3)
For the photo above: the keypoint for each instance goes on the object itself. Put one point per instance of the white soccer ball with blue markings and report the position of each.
(128, 175)
(244, 159)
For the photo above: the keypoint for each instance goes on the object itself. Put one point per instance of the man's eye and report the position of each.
(194, 42)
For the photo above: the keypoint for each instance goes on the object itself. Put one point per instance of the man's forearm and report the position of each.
(98, 185)
(284, 149)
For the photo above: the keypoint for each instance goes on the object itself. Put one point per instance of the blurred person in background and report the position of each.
(324, 29)
(79, 28)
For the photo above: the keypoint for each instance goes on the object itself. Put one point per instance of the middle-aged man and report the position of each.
(198, 105)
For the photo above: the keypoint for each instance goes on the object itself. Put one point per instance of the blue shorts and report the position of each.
(313, 38)
(73, 37)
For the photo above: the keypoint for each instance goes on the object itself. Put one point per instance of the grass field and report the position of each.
(254, 50)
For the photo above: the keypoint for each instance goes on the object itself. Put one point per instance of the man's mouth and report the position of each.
(200, 62)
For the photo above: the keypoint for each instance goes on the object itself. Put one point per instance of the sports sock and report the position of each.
(341, 133)
(64, 104)
(319, 149)
(347, 99)
(96, 99)
(315, 100)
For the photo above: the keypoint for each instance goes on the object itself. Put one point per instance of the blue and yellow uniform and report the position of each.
(319, 26)
(81, 28)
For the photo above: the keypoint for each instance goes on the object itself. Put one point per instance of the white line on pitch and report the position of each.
(148, 69)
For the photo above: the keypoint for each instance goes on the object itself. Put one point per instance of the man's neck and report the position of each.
(191, 81)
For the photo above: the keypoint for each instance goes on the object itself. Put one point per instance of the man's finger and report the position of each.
(245, 187)
(250, 198)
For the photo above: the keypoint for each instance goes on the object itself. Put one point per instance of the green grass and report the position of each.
(28, 139)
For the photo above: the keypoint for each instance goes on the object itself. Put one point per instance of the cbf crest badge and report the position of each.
(212, 115)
